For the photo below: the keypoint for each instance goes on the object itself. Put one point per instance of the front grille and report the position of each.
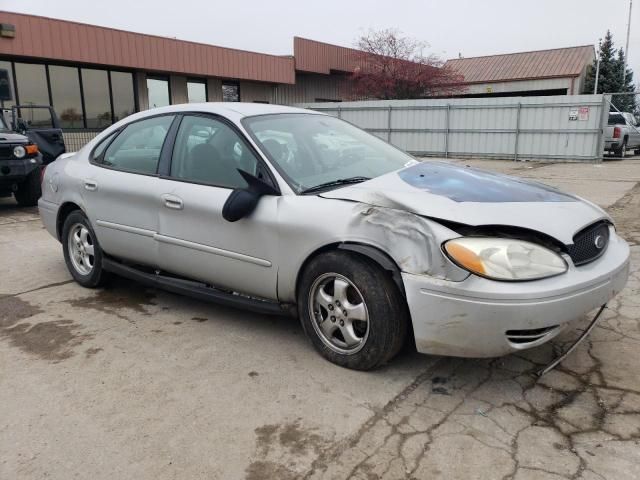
(522, 337)
(6, 152)
(589, 244)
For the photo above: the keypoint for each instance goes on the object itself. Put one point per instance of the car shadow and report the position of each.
(8, 206)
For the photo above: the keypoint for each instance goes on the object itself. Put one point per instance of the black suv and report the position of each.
(30, 138)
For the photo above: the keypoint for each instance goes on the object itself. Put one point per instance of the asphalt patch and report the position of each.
(14, 309)
(113, 298)
(53, 341)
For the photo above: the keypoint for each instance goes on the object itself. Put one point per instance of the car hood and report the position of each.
(475, 197)
(10, 137)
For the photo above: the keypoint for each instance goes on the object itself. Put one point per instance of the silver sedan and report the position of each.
(278, 209)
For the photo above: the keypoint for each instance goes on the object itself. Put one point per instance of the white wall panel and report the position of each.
(503, 127)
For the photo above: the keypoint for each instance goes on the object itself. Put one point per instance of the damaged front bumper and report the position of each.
(478, 317)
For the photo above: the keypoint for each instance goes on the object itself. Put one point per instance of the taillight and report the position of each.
(616, 132)
(42, 170)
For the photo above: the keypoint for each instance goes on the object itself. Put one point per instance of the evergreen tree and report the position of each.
(610, 78)
(625, 103)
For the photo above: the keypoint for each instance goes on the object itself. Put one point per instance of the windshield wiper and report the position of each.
(335, 183)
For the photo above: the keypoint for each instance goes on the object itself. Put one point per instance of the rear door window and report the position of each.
(137, 148)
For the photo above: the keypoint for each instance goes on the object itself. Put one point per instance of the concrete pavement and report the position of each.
(128, 382)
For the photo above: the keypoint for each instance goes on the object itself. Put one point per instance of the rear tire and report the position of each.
(30, 190)
(342, 292)
(622, 151)
(82, 252)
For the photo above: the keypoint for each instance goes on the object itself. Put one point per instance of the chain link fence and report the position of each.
(76, 139)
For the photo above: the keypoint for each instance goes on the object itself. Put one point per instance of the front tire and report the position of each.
(30, 190)
(351, 310)
(82, 252)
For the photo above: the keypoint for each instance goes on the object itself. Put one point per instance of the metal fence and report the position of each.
(74, 140)
(567, 127)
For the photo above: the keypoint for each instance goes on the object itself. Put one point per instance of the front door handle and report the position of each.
(90, 185)
(171, 201)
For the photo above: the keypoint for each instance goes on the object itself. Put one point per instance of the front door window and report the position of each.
(211, 152)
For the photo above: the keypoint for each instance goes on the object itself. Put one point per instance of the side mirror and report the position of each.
(243, 201)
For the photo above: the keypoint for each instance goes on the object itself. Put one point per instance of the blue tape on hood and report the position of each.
(464, 184)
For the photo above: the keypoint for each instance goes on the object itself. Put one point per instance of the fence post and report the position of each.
(515, 154)
(604, 117)
(389, 124)
(446, 135)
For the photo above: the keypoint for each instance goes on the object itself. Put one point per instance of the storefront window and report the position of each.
(230, 92)
(196, 91)
(7, 93)
(158, 89)
(122, 90)
(95, 86)
(81, 97)
(65, 93)
(32, 90)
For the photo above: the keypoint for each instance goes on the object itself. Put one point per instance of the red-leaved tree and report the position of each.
(391, 67)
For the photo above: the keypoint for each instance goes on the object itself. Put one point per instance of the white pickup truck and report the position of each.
(622, 134)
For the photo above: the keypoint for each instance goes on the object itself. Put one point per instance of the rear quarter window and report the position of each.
(102, 146)
(616, 119)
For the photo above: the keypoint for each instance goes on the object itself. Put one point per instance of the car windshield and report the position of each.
(314, 152)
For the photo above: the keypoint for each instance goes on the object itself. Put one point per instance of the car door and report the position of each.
(193, 239)
(634, 131)
(40, 125)
(122, 189)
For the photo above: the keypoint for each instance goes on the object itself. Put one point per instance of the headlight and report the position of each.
(19, 151)
(504, 258)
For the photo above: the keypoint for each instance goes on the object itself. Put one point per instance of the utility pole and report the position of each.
(595, 83)
(626, 50)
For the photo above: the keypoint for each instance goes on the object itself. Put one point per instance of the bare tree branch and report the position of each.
(391, 66)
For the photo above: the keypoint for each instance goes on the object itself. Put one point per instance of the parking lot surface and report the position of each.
(129, 382)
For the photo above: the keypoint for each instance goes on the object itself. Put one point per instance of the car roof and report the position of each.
(235, 110)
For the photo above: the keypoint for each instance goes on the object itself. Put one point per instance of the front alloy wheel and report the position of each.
(351, 310)
(340, 313)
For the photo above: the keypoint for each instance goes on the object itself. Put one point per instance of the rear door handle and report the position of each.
(171, 201)
(90, 185)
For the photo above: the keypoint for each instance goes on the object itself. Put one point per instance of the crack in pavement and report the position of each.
(37, 289)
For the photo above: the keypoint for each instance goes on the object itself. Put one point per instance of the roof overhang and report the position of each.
(53, 39)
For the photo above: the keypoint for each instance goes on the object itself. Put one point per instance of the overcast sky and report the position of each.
(470, 27)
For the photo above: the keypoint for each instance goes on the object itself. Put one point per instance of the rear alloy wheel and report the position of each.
(351, 310)
(82, 253)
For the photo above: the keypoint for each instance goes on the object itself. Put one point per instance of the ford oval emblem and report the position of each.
(599, 242)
